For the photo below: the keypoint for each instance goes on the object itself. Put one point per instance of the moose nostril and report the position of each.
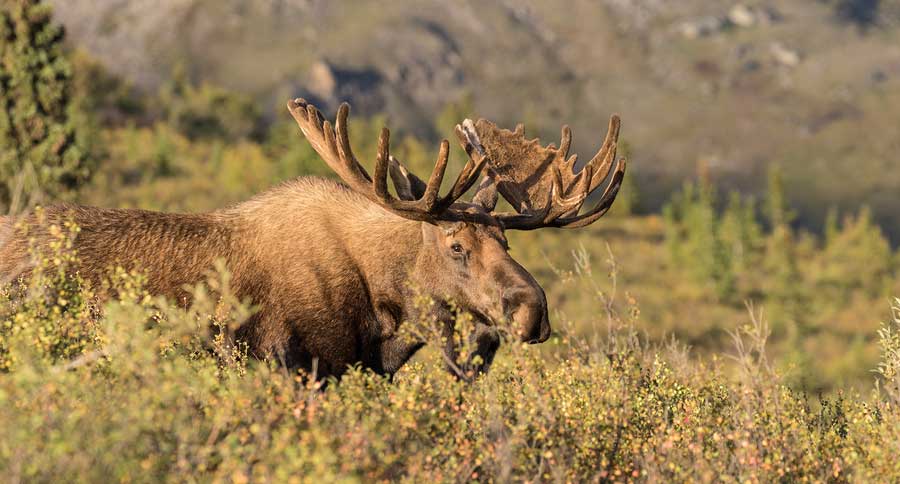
(545, 331)
(507, 302)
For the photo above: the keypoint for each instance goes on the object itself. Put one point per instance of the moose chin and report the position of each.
(337, 269)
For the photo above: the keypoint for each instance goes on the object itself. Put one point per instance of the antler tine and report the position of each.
(530, 220)
(565, 141)
(556, 217)
(422, 209)
(346, 153)
(603, 160)
(323, 139)
(333, 145)
(433, 187)
(563, 210)
(468, 139)
(560, 204)
(581, 189)
(606, 201)
(427, 203)
(556, 207)
(486, 194)
(381, 165)
(464, 182)
(408, 185)
(330, 142)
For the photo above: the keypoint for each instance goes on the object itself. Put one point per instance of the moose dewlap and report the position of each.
(335, 269)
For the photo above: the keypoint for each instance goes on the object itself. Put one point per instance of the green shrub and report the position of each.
(151, 392)
(857, 256)
(42, 135)
(48, 315)
(889, 367)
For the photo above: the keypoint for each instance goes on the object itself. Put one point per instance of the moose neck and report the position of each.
(391, 247)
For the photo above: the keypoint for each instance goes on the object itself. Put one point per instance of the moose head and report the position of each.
(463, 255)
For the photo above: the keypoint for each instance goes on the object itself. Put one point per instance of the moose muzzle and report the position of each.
(526, 307)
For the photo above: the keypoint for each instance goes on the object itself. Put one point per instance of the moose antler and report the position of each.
(541, 182)
(416, 202)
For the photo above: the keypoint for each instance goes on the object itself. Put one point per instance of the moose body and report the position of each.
(334, 269)
(329, 272)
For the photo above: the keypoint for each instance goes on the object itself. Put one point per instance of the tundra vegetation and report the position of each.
(716, 341)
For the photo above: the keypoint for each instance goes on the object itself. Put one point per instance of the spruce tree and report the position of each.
(831, 225)
(785, 290)
(39, 135)
(739, 231)
(694, 241)
(777, 211)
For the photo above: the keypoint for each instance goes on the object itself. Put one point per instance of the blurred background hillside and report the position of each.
(761, 136)
(811, 86)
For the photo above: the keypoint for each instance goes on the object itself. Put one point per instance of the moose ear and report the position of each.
(433, 233)
(430, 232)
(486, 194)
(408, 186)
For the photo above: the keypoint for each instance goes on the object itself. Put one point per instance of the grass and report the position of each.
(139, 390)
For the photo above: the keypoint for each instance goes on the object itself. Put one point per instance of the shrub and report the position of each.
(41, 130)
(889, 367)
(153, 392)
(857, 257)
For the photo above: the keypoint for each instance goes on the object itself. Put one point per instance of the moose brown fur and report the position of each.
(333, 268)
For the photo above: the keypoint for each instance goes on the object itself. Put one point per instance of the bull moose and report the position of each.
(332, 267)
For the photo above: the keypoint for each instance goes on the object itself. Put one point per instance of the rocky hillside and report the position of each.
(727, 88)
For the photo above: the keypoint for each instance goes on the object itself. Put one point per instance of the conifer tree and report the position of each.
(777, 211)
(831, 225)
(857, 256)
(694, 241)
(739, 230)
(39, 134)
(785, 290)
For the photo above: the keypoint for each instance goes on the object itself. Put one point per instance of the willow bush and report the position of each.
(127, 387)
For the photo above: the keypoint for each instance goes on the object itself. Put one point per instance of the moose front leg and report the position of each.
(479, 344)
(468, 349)
(387, 318)
(394, 352)
(485, 341)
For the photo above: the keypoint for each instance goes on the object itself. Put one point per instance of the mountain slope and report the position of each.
(729, 88)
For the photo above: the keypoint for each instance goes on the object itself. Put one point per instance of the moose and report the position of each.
(334, 269)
